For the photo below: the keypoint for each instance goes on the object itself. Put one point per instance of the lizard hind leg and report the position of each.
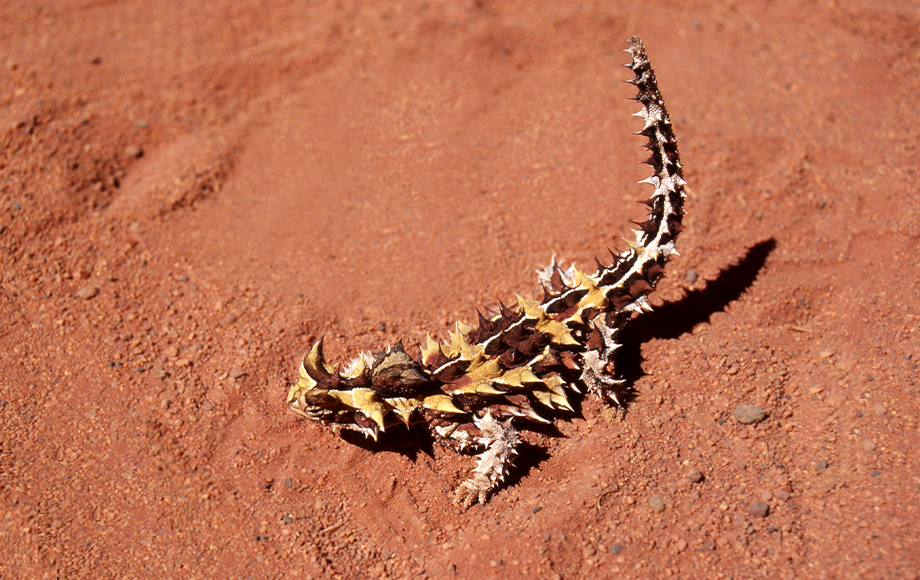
(501, 441)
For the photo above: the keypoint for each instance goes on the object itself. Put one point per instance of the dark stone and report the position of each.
(758, 509)
(749, 414)
(617, 548)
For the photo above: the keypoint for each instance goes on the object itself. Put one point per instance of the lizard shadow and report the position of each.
(410, 443)
(673, 319)
(418, 439)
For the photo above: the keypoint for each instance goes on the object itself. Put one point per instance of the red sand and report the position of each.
(194, 192)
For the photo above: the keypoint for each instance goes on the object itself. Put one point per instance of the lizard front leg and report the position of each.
(501, 441)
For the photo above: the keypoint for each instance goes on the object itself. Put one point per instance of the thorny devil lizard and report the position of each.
(518, 364)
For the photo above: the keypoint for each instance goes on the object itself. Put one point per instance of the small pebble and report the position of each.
(749, 414)
(617, 548)
(134, 151)
(172, 351)
(694, 475)
(536, 509)
(758, 509)
(692, 276)
(868, 444)
(237, 373)
(783, 495)
(879, 409)
(766, 495)
(656, 503)
(821, 465)
(87, 292)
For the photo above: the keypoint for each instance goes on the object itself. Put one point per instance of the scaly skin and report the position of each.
(519, 364)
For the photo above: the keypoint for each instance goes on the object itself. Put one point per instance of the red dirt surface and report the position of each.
(193, 192)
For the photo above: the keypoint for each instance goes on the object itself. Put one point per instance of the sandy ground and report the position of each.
(192, 192)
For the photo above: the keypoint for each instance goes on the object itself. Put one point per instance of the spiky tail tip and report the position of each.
(668, 178)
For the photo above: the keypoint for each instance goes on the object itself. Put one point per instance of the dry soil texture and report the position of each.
(193, 192)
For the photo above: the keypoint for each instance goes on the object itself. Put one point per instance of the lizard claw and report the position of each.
(472, 490)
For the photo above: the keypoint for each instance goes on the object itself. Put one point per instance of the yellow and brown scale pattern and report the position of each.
(523, 362)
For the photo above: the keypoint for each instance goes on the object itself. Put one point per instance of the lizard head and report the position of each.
(371, 393)
(349, 402)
